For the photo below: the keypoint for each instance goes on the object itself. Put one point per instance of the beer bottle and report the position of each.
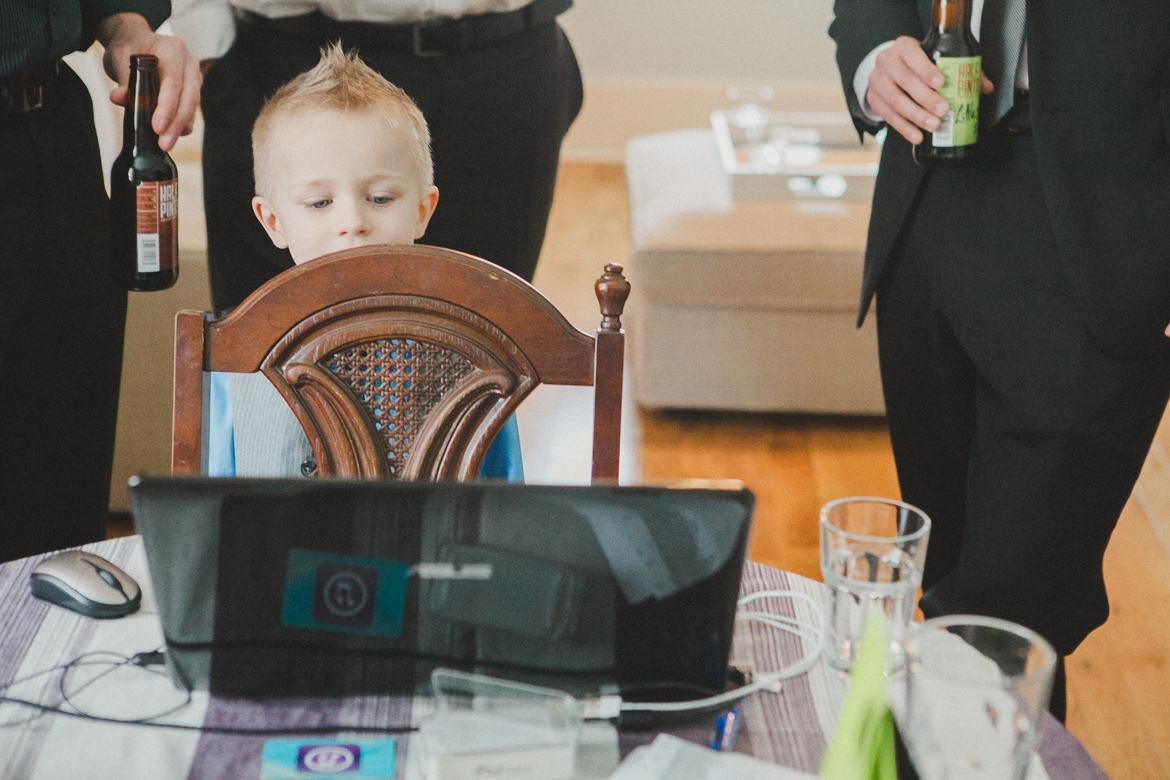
(144, 192)
(953, 49)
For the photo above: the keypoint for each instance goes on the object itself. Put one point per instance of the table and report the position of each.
(788, 728)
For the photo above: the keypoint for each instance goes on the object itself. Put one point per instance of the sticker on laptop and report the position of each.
(348, 593)
(296, 759)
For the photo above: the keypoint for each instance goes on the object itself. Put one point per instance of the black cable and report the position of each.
(59, 667)
(150, 721)
(127, 662)
(327, 729)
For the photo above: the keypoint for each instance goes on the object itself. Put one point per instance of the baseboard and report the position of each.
(616, 110)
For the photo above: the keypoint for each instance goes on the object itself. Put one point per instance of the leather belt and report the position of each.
(26, 92)
(429, 38)
(1018, 119)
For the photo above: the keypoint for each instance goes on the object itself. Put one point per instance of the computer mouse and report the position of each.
(86, 583)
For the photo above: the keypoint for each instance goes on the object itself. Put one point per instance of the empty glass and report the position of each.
(872, 553)
(977, 689)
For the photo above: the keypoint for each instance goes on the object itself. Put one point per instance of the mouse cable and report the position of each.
(608, 707)
(127, 662)
(324, 729)
(64, 667)
(43, 709)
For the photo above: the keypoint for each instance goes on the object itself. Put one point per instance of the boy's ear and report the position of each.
(268, 219)
(426, 207)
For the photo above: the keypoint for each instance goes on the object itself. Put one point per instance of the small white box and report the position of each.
(486, 727)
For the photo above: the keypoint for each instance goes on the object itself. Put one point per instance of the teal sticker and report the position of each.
(342, 759)
(348, 593)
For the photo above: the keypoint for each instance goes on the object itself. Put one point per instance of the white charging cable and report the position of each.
(813, 634)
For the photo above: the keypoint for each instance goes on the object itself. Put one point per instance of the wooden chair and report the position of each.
(403, 362)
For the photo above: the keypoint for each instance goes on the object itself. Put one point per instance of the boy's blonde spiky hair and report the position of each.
(341, 82)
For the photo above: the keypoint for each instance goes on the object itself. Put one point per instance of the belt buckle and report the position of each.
(31, 98)
(419, 46)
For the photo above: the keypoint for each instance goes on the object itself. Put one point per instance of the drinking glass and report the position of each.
(872, 553)
(977, 689)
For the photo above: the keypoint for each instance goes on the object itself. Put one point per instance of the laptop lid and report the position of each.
(290, 587)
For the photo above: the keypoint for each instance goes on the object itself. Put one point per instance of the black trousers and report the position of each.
(1018, 436)
(497, 115)
(62, 323)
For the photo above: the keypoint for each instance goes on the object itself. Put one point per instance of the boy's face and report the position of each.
(341, 179)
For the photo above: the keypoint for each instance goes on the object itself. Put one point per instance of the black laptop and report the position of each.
(331, 587)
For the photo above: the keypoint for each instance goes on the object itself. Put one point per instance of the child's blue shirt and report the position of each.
(502, 461)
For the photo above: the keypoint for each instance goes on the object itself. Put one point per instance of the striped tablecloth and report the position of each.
(789, 728)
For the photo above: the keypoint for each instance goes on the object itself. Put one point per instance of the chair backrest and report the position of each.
(402, 362)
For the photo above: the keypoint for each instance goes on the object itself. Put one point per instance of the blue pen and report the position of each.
(725, 730)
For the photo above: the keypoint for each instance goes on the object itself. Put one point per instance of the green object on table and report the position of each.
(863, 745)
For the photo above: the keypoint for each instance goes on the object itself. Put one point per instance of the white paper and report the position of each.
(671, 758)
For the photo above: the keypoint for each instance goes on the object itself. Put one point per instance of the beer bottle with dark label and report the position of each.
(144, 192)
(953, 49)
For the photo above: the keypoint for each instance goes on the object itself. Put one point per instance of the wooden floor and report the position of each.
(1119, 680)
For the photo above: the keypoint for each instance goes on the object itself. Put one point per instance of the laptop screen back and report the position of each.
(335, 587)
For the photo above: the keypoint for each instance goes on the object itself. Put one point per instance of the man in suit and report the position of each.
(61, 316)
(497, 81)
(1022, 298)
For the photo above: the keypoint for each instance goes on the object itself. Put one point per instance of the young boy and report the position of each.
(342, 160)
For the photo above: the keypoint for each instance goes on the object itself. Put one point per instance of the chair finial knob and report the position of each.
(612, 291)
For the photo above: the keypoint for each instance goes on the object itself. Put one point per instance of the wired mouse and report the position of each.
(86, 583)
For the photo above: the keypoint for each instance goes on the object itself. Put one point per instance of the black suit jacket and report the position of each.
(1099, 78)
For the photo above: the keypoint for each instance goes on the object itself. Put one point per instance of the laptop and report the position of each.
(329, 587)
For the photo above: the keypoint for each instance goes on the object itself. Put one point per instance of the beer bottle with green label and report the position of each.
(953, 49)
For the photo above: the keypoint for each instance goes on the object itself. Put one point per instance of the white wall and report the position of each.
(653, 65)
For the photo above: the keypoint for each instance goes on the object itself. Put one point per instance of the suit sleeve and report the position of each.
(860, 26)
(93, 12)
(154, 11)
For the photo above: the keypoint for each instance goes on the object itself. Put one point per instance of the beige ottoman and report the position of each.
(745, 305)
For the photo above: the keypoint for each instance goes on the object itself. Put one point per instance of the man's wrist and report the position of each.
(861, 81)
(121, 25)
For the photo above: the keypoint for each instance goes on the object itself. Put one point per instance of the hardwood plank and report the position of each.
(1120, 676)
(852, 457)
(793, 463)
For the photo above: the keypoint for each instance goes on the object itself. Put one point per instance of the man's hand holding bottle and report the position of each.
(124, 34)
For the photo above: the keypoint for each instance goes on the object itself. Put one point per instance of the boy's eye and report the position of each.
(381, 200)
(319, 204)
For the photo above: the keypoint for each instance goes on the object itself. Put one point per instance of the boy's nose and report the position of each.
(353, 222)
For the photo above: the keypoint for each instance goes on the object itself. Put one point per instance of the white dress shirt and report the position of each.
(208, 27)
(861, 77)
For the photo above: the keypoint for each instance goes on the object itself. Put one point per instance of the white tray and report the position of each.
(773, 155)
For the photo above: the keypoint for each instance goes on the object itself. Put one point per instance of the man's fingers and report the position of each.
(906, 106)
(902, 89)
(178, 94)
(916, 60)
(908, 67)
(169, 89)
(897, 122)
(118, 68)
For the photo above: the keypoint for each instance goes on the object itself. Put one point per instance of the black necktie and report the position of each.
(1001, 37)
